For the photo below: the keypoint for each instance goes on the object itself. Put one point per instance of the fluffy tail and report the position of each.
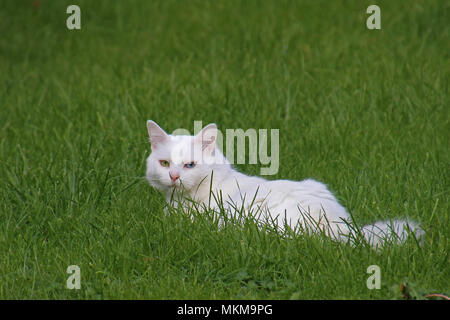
(396, 231)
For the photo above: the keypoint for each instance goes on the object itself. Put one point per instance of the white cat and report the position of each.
(192, 167)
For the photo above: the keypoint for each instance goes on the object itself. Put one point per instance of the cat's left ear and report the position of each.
(156, 134)
(207, 137)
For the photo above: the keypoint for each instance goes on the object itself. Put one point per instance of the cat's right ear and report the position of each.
(156, 134)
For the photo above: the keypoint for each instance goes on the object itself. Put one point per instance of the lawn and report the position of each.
(365, 111)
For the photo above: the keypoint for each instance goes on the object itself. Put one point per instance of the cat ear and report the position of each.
(207, 137)
(156, 134)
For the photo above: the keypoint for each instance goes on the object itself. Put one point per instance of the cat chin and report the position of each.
(169, 186)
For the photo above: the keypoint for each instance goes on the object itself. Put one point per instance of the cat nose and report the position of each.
(174, 176)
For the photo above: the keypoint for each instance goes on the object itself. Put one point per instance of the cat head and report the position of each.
(181, 161)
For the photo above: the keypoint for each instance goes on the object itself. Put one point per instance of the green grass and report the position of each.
(366, 112)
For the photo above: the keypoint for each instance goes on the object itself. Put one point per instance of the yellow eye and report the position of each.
(164, 163)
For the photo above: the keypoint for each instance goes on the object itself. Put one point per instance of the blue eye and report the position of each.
(189, 165)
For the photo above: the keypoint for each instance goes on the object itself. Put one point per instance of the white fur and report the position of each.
(308, 203)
